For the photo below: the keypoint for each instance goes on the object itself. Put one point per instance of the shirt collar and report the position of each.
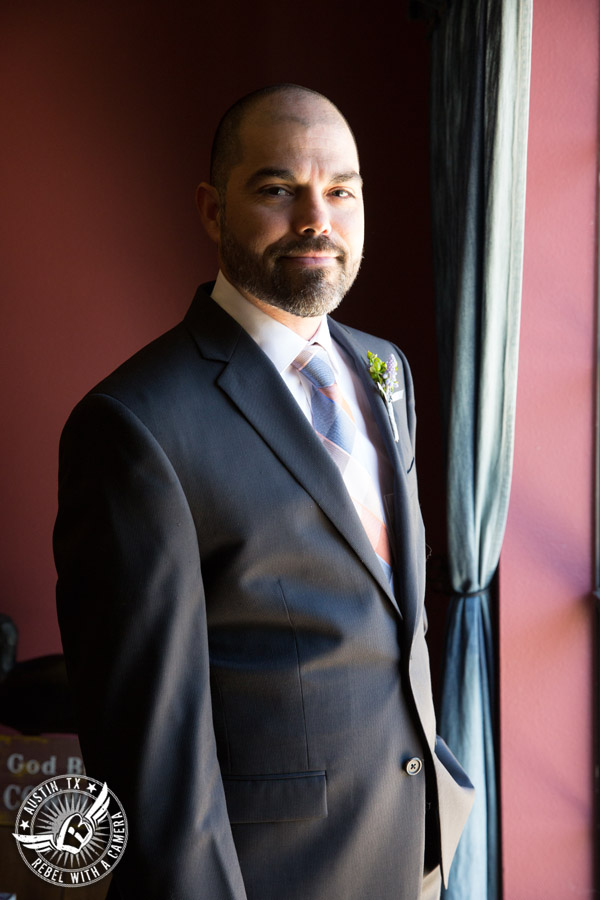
(280, 343)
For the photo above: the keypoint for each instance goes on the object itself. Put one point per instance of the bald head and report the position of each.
(277, 104)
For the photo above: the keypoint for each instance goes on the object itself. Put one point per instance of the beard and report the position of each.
(305, 292)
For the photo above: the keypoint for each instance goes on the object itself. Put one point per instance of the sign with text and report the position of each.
(25, 761)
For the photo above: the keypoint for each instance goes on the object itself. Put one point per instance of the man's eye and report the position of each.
(275, 190)
(344, 193)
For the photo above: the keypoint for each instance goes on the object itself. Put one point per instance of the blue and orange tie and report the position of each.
(333, 421)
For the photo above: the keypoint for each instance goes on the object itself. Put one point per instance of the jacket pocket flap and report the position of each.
(276, 798)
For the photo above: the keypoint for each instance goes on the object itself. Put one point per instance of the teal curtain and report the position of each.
(481, 54)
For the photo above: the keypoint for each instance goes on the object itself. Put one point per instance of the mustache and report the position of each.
(321, 244)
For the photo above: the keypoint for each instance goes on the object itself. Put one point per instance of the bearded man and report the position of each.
(241, 557)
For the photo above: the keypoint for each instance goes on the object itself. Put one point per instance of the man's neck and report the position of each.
(305, 326)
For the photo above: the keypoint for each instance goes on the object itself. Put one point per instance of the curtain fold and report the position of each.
(481, 55)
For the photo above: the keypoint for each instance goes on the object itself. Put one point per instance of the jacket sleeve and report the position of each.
(133, 621)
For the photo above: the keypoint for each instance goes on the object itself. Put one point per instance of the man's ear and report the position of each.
(207, 201)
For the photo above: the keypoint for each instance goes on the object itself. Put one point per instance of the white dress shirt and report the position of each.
(282, 346)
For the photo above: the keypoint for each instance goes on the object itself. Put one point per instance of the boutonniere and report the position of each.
(385, 376)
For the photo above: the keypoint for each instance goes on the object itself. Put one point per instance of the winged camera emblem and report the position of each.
(74, 833)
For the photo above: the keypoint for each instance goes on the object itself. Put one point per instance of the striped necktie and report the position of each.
(333, 421)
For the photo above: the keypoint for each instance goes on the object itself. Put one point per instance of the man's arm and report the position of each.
(133, 621)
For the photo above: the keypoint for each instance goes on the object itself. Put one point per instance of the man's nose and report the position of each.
(312, 215)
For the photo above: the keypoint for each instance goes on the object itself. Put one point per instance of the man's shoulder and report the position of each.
(148, 367)
(363, 342)
(162, 367)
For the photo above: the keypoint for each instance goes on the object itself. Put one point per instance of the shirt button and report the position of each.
(413, 766)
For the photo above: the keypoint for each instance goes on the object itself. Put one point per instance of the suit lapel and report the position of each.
(396, 451)
(253, 384)
(400, 453)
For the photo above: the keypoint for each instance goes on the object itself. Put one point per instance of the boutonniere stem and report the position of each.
(385, 377)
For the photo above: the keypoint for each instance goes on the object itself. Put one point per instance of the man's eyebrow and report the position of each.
(347, 176)
(288, 175)
(269, 172)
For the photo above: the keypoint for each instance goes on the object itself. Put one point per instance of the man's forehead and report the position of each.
(277, 136)
(292, 118)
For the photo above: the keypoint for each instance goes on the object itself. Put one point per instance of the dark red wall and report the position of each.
(108, 111)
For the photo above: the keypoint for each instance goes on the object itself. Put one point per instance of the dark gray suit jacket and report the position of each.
(247, 684)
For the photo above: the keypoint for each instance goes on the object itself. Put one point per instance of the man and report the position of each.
(241, 560)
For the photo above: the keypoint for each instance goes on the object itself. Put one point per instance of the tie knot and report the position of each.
(315, 367)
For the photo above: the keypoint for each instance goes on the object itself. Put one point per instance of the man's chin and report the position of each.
(308, 292)
(306, 304)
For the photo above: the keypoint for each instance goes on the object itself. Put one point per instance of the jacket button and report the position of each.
(413, 766)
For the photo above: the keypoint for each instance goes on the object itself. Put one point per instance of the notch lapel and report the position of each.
(254, 385)
(406, 541)
(397, 451)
